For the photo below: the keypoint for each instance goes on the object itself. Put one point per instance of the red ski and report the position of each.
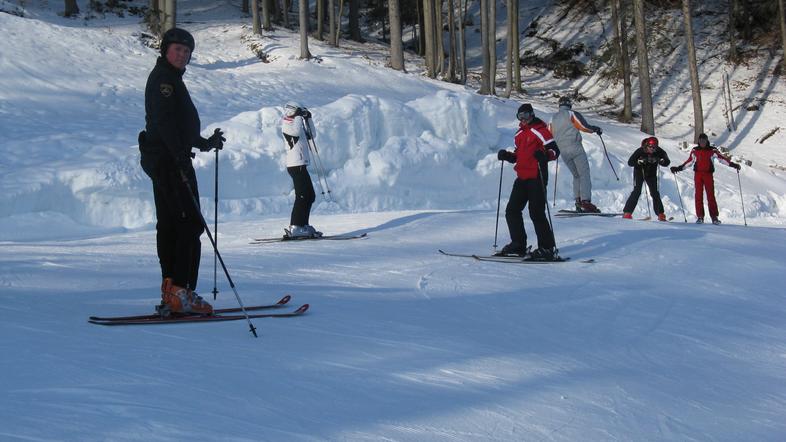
(155, 319)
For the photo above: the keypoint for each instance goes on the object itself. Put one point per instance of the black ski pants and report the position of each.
(178, 226)
(639, 177)
(528, 192)
(304, 195)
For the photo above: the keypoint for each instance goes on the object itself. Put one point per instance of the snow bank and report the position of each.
(72, 108)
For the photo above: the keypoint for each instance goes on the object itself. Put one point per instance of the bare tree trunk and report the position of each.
(509, 49)
(320, 19)
(464, 67)
(170, 14)
(71, 8)
(698, 113)
(266, 15)
(332, 22)
(255, 19)
(396, 45)
(338, 22)
(733, 55)
(621, 39)
(286, 4)
(782, 16)
(428, 34)
(516, 50)
(492, 40)
(354, 20)
(153, 18)
(645, 90)
(303, 13)
(451, 42)
(439, 48)
(244, 6)
(627, 110)
(485, 88)
(421, 24)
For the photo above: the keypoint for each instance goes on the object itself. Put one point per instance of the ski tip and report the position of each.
(284, 300)
(301, 309)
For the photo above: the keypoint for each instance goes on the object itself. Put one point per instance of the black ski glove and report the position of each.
(504, 155)
(675, 169)
(735, 166)
(641, 161)
(598, 130)
(216, 141)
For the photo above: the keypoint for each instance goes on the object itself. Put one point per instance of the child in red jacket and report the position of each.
(701, 157)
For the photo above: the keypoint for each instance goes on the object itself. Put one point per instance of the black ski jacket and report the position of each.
(650, 162)
(172, 123)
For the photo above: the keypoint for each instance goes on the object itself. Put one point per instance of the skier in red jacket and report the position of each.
(535, 147)
(701, 157)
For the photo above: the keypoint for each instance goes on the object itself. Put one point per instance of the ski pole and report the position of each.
(321, 175)
(607, 157)
(556, 174)
(679, 194)
(215, 229)
(548, 211)
(251, 327)
(499, 198)
(742, 201)
(319, 166)
(647, 189)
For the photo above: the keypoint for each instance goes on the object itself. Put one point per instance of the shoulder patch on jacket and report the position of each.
(166, 90)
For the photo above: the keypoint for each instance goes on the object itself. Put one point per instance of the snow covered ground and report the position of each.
(675, 333)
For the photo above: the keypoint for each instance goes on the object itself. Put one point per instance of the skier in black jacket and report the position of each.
(171, 130)
(645, 161)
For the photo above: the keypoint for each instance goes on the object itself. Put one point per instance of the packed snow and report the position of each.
(675, 332)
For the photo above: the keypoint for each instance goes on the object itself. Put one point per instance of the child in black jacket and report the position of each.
(645, 161)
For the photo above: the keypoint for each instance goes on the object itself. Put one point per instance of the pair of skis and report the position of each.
(575, 214)
(224, 314)
(307, 238)
(514, 259)
(564, 213)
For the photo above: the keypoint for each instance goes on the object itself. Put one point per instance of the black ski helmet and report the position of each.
(565, 101)
(525, 111)
(176, 35)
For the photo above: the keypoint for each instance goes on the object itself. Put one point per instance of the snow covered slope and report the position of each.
(675, 333)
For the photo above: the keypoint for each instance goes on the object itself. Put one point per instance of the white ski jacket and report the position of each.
(296, 139)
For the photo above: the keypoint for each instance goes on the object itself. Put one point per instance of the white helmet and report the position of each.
(291, 108)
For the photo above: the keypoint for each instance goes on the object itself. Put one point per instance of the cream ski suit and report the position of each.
(565, 126)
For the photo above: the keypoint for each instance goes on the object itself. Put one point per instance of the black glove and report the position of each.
(216, 141)
(641, 161)
(540, 156)
(735, 166)
(504, 155)
(675, 169)
(306, 114)
(598, 131)
(662, 161)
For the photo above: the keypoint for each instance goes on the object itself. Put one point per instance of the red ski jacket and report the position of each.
(702, 157)
(530, 138)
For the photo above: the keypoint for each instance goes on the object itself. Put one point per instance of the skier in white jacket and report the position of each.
(565, 126)
(297, 129)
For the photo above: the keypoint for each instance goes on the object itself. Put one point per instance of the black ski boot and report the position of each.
(541, 254)
(513, 249)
